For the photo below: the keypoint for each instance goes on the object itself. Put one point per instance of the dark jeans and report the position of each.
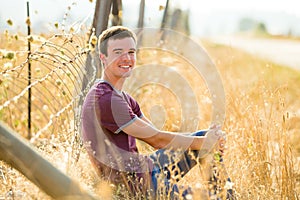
(165, 162)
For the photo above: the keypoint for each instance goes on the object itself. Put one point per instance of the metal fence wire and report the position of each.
(57, 74)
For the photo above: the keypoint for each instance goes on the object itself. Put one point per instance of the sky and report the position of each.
(206, 17)
(288, 6)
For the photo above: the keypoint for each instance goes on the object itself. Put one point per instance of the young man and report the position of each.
(112, 121)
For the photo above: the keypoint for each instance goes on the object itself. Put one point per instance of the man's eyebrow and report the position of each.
(120, 49)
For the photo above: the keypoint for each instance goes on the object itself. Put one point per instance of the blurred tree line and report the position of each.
(251, 25)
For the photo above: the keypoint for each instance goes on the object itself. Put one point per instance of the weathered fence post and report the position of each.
(141, 14)
(101, 15)
(116, 10)
(100, 23)
(165, 16)
(17, 152)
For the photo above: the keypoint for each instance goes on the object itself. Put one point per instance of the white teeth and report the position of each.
(125, 67)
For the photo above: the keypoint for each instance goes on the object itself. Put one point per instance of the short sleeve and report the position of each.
(134, 105)
(116, 112)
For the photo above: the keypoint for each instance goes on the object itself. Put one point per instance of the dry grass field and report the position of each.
(262, 120)
(262, 117)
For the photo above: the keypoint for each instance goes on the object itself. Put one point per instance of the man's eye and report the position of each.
(118, 52)
(131, 52)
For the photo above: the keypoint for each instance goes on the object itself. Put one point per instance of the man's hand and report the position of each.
(214, 135)
(222, 143)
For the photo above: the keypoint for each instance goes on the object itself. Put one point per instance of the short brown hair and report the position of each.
(114, 32)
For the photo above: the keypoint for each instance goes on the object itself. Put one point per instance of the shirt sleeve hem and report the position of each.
(127, 124)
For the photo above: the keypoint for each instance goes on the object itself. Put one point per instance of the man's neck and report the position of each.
(116, 83)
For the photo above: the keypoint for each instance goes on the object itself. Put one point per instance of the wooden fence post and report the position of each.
(17, 152)
(141, 14)
(100, 23)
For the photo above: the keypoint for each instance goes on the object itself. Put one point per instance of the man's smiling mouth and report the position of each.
(125, 66)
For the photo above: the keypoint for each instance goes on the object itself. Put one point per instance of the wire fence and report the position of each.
(58, 70)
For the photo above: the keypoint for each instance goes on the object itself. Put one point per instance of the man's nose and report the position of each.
(126, 56)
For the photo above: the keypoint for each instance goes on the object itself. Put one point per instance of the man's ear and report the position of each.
(102, 58)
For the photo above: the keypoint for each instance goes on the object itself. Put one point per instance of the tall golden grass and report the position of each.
(262, 116)
(262, 125)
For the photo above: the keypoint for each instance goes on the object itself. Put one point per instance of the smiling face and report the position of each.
(120, 58)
